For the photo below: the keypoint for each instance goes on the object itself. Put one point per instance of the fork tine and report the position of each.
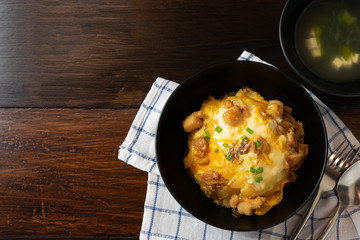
(355, 155)
(349, 160)
(336, 153)
(343, 158)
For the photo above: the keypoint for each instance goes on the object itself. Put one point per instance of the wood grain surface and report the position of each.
(72, 75)
(61, 175)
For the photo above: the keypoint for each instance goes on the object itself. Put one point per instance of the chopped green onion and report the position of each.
(258, 179)
(318, 32)
(258, 144)
(243, 137)
(252, 170)
(345, 52)
(218, 129)
(207, 135)
(347, 18)
(216, 150)
(228, 156)
(225, 145)
(259, 170)
(249, 131)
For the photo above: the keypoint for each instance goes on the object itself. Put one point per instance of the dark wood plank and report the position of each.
(106, 54)
(351, 119)
(61, 177)
(102, 53)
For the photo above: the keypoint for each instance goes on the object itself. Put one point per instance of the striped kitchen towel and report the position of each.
(164, 218)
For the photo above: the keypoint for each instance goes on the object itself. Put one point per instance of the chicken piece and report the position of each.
(201, 146)
(228, 103)
(240, 104)
(234, 200)
(212, 177)
(248, 206)
(263, 145)
(295, 159)
(193, 121)
(289, 118)
(242, 147)
(214, 183)
(236, 112)
(284, 126)
(292, 139)
(288, 109)
(275, 109)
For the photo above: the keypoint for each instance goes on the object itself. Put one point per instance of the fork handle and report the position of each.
(339, 209)
(308, 213)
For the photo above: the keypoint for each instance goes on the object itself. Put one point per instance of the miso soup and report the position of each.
(327, 39)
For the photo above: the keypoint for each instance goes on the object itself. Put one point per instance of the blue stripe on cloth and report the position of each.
(326, 196)
(244, 58)
(337, 125)
(127, 159)
(169, 211)
(205, 230)
(161, 235)
(152, 167)
(143, 130)
(231, 235)
(273, 234)
(350, 213)
(312, 220)
(151, 108)
(285, 230)
(153, 209)
(156, 183)
(324, 112)
(321, 219)
(146, 117)
(342, 132)
(139, 154)
(164, 87)
(179, 222)
(260, 233)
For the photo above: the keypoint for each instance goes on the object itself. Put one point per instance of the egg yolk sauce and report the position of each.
(243, 150)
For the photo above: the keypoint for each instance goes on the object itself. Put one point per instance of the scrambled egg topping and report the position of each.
(243, 150)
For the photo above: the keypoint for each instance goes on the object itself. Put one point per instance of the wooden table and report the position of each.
(72, 76)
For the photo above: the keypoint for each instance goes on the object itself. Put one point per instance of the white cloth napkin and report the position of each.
(164, 218)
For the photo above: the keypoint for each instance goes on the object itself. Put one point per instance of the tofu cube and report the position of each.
(316, 52)
(311, 43)
(355, 58)
(337, 63)
(346, 63)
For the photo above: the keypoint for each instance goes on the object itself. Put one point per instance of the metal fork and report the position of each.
(339, 160)
(346, 190)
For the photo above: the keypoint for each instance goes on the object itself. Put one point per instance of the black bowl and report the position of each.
(288, 20)
(171, 140)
